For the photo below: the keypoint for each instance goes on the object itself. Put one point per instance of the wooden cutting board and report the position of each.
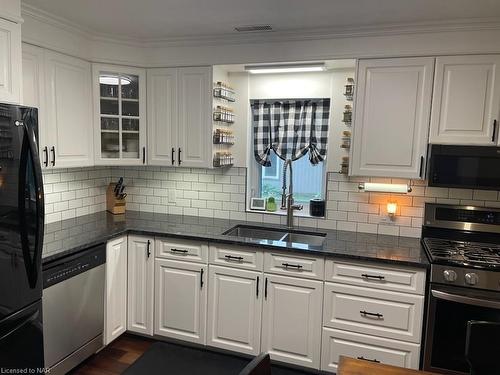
(351, 366)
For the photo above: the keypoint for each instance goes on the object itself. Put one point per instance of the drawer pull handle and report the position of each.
(201, 278)
(257, 287)
(287, 265)
(148, 249)
(232, 257)
(369, 360)
(178, 251)
(367, 276)
(366, 313)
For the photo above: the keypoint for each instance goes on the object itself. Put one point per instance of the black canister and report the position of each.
(317, 207)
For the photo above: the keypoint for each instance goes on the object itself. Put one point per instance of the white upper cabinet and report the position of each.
(33, 92)
(140, 284)
(179, 123)
(466, 100)
(69, 111)
(119, 115)
(195, 125)
(391, 120)
(10, 62)
(162, 116)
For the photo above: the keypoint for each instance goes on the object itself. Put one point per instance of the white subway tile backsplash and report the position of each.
(222, 194)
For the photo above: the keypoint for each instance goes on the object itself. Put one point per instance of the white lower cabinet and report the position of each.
(140, 284)
(336, 343)
(180, 300)
(115, 306)
(234, 309)
(291, 320)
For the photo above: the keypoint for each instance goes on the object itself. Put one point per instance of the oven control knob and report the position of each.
(449, 275)
(471, 278)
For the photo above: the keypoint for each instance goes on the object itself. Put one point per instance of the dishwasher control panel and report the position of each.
(73, 265)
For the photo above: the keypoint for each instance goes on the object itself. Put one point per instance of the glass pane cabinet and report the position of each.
(120, 131)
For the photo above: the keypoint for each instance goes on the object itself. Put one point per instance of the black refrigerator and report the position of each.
(21, 240)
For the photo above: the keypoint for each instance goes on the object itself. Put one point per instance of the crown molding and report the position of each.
(457, 25)
(9, 16)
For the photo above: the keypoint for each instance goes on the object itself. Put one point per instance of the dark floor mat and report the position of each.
(171, 359)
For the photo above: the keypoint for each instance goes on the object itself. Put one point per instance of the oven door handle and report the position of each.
(466, 300)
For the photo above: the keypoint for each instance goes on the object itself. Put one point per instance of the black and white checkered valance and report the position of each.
(291, 128)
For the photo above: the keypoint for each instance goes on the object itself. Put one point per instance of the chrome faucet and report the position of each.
(287, 199)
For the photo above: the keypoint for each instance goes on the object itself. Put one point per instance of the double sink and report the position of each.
(279, 235)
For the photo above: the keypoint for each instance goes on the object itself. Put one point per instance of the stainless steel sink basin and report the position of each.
(265, 234)
(310, 239)
(256, 232)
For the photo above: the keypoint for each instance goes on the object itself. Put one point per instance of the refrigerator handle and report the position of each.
(30, 148)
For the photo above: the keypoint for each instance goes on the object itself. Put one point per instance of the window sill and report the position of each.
(279, 212)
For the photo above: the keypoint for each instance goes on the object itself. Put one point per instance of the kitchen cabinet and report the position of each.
(119, 115)
(291, 320)
(68, 125)
(372, 311)
(162, 116)
(466, 100)
(115, 307)
(140, 284)
(33, 92)
(179, 117)
(336, 343)
(234, 309)
(10, 62)
(180, 300)
(391, 117)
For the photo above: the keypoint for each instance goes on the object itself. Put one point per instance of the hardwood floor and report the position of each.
(116, 357)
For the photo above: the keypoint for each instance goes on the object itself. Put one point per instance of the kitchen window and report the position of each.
(295, 130)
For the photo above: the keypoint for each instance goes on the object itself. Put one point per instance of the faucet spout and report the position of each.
(287, 199)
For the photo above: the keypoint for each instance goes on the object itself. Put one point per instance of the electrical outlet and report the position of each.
(386, 220)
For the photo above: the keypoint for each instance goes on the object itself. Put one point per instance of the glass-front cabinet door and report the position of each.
(120, 115)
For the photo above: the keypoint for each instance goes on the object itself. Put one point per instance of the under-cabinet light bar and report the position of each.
(285, 68)
(384, 188)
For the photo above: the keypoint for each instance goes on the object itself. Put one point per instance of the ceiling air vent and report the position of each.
(253, 28)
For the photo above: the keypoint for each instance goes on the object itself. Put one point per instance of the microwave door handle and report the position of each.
(466, 300)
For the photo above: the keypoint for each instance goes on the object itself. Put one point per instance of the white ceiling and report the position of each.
(154, 19)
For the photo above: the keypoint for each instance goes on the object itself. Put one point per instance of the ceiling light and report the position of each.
(385, 188)
(113, 80)
(285, 68)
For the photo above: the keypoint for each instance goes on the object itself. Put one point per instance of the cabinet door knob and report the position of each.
(201, 278)
(179, 156)
(148, 249)
(494, 131)
(173, 156)
(257, 287)
(421, 170)
(144, 155)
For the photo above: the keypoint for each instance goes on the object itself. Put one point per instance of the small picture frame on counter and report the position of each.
(258, 204)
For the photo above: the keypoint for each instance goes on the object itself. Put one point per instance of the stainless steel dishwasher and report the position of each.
(73, 308)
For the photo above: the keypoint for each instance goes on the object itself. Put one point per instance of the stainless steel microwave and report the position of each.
(469, 167)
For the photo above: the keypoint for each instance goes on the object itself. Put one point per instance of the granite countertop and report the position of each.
(69, 236)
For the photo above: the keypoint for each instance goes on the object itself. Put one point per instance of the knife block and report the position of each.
(113, 204)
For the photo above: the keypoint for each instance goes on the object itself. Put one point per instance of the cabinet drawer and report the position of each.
(390, 352)
(236, 256)
(172, 248)
(293, 265)
(399, 279)
(375, 312)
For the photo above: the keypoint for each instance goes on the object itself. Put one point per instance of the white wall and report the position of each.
(11, 10)
(437, 39)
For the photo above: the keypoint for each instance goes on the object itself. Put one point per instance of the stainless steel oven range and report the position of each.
(463, 246)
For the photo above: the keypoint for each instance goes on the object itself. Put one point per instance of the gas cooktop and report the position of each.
(462, 253)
